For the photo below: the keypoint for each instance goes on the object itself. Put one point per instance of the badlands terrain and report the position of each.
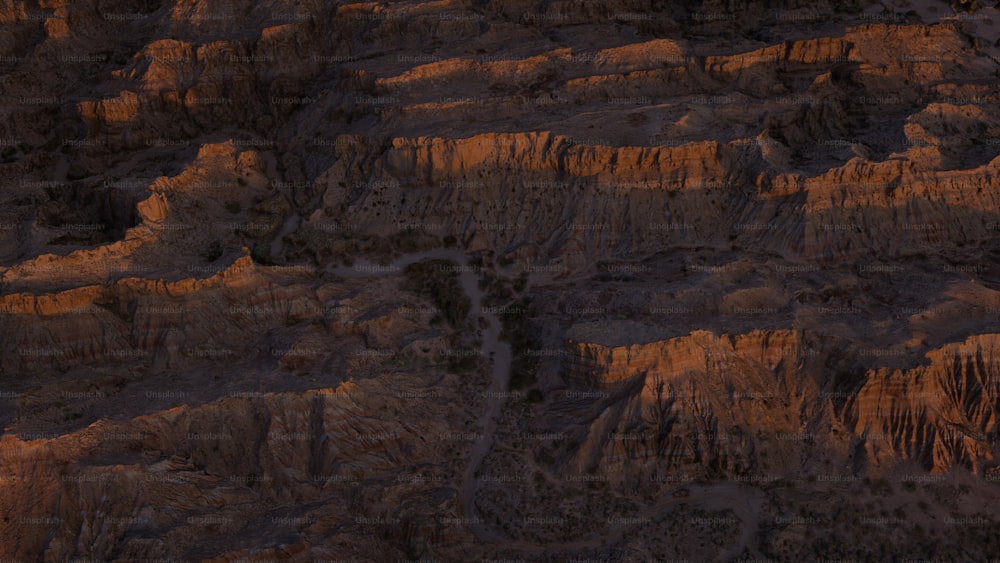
(518, 280)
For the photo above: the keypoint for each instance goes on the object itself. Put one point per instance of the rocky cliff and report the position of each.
(498, 280)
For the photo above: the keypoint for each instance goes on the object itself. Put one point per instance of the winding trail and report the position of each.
(745, 501)
(293, 221)
(492, 347)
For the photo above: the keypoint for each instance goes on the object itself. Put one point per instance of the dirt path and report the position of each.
(743, 500)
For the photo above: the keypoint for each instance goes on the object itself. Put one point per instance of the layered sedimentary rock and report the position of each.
(941, 414)
(497, 280)
(742, 394)
(214, 468)
(706, 399)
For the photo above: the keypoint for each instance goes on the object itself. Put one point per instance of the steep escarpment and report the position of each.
(751, 403)
(700, 280)
(758, 402)
(817, 97)
(940, 415)
(641, 200)
(453, 178)
(228, 466)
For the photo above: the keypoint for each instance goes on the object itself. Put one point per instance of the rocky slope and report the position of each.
(728, 400)
(498, 280)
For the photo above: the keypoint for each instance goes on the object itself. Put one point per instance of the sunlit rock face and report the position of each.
(470, 280)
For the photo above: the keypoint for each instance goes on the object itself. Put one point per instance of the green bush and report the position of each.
(76, 172)
(213, 252)
(259, 255)
(437, 281)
